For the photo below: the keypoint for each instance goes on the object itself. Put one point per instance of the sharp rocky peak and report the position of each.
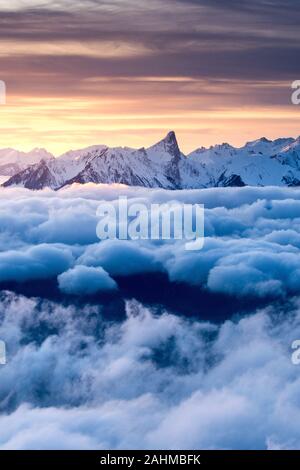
(168, 145)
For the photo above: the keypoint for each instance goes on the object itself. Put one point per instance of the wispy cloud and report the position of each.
(237, 54)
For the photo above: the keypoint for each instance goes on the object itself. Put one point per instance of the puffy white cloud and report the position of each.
(38, 262)
(73, 224)
(251, 237)
(256, 273)
(75, 381)
(84, 280)
(121, 257)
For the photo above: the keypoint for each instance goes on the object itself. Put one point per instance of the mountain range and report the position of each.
(259, 163)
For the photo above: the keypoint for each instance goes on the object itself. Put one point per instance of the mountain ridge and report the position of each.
(260, 162)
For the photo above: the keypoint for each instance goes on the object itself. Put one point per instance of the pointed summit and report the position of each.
(165, 148)
(171, 144)
(171, 137)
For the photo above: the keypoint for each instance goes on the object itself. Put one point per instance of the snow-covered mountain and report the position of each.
(261, 162)
(157, 166)
(13, 161)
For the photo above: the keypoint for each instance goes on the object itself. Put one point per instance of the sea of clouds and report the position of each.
(251, 245)
(77, 379)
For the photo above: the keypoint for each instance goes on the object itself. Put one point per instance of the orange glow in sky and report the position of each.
(125, 73)
(60, 124)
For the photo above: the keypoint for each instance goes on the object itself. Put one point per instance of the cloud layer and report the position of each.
(74, 381)
(251, 244)
(77, 378)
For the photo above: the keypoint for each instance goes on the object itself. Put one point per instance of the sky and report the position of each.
(125, 72)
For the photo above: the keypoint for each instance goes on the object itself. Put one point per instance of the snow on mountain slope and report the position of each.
(121, 165)
(13, 161)
(71, 163)
(156, 166)
(153, 167)
(55, 172)
(259, 163)
(3, 178)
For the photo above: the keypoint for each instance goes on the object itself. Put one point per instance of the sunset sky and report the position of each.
(125, 72)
